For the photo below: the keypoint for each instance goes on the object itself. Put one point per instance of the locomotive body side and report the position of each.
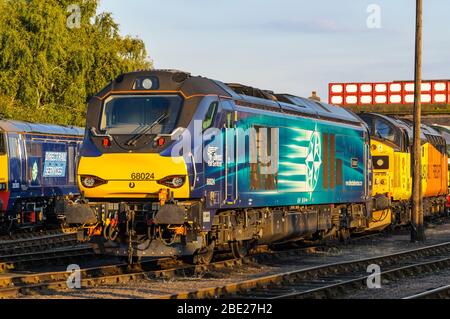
(434, 171)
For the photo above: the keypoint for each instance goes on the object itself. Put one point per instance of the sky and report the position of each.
(289, 46)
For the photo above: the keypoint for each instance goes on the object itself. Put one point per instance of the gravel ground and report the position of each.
(364, 249)
(404, 288)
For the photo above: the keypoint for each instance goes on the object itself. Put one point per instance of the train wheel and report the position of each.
(202, 256)
(239, 249)
(344, 234)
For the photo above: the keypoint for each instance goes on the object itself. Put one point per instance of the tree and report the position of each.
(50, 65)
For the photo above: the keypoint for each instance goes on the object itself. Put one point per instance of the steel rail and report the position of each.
(37, 245)
(30, 236)
(342, 288)
(50, 256)
(442, 292)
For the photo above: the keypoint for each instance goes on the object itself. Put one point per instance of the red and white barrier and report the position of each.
(401, 92)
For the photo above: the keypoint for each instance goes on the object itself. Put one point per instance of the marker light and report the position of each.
(92, 181)
(173, 181)
(2, 186)
(88, 181)
(161, 141)
(106, 142)
(147, 83)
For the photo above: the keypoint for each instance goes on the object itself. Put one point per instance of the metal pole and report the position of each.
(417, 229)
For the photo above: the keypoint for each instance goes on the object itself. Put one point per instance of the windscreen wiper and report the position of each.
(135, 138)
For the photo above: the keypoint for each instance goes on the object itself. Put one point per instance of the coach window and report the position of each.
(209, 117)
(71, 163)
(262, 175)
(2, 144)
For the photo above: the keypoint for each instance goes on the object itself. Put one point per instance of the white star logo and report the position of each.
(313, 161)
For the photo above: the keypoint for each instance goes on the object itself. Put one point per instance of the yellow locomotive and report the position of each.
(391, 141)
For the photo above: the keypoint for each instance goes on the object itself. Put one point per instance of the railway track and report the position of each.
(442, 292)
(16, 284)
(13, 285)
(331, 280)
(59, 250)
(26, 250)
(33, 235)
(45, 242)
(46, 257)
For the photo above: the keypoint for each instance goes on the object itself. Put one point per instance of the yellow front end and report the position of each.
(132, 175)
(3, 168)
(383, 175)
(383, 157)
(3, 181)
(391, 178)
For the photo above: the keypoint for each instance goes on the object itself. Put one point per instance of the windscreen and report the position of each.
(133, 114)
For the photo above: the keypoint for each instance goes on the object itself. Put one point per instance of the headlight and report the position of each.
(92, 181)
(173, 181)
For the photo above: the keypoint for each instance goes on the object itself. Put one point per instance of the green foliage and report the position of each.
(48, 71)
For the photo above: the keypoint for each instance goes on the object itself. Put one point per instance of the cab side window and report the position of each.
(13, 143)
(209, 117)
(384, 130)
(2, 144)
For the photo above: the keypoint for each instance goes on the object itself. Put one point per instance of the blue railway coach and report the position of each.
(37, 171)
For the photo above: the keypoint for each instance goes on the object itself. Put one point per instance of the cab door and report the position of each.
(3, 161)
(219, 160)
(230, 171)
(4, 194)
(15, 163)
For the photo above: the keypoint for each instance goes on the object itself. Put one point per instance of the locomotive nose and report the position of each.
(132, 176)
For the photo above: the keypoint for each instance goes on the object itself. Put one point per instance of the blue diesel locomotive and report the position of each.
(37, 172)
(180, 165)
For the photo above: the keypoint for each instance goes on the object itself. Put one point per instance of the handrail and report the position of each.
(94, 132)
(226, 164)
(236, 159)
(195, 171)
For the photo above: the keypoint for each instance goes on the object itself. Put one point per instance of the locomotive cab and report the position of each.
(391, 157)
